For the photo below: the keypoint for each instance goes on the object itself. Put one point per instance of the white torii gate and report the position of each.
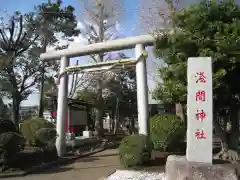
(138, 42)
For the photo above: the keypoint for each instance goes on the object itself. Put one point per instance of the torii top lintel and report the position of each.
(107, 46)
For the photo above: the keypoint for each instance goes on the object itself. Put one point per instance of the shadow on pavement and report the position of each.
(88, 159)
(106, 155)
(92, 162)
(63, 168)
(95, 167)
(53, 170)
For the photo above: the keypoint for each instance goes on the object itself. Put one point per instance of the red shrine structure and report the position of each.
(77, 117)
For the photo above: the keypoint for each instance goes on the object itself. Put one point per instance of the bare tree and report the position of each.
(100, 20)
(156, 15)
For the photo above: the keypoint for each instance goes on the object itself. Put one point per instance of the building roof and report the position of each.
(28, 107)
(151, 100)
(75, 103)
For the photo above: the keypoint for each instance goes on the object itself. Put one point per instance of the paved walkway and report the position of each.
(90, 168)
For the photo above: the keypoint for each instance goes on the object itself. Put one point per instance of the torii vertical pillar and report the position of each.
(62, 108)
(142, 90)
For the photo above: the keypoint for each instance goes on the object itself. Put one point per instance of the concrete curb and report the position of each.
(42, 167)
(104, 178)
(111, 173)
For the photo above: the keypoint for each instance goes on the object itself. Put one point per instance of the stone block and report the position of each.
(178, 168)
(87, 134)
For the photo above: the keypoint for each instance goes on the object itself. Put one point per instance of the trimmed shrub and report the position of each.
(7, 126)
(45, 137)
(167, 133)
(30, 127)
(135, 150)
(10, 144)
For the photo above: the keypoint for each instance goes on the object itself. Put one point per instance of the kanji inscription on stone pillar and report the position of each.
(200, 110)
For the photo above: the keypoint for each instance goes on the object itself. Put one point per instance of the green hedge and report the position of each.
(135, 150)
(31, 126)
(167, 133)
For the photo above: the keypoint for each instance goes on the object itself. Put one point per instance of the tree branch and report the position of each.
(4, 38)
(26, 48)
(30, 85)
(92, 15)
(20, 30)
(25, 77)
(11, 31)
(12, 79)
(109, 26)
(93, 30)
(110, 36)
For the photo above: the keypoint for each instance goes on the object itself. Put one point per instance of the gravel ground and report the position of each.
(134, 175)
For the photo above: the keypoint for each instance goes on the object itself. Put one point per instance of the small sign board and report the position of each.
(199, 110)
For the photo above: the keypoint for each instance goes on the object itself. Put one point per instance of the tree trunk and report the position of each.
(41, 95)
(221, 131)
(112, 124)
(116, 122)
(98, 122)
(99, 112)
(100, 104)
(15, 111)
(16, 96)
(153, 110)
(41, 107)
(115, 125)
(133, 124)
(234, 133)
(227, 153)
(181, 112)
(110, 121)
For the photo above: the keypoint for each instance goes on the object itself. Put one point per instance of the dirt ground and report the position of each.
(90, 168)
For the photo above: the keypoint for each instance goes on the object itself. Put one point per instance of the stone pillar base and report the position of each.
(178, 168)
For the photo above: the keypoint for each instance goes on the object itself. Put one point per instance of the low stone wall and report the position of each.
(135, 175)
(178, 168)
